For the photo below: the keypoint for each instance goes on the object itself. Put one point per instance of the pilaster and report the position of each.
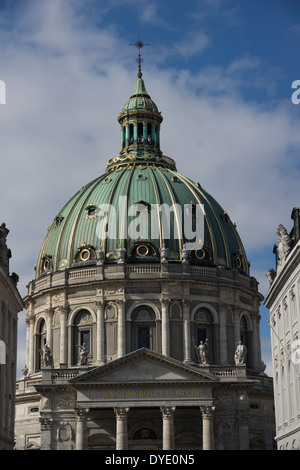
(100, 331)
(46, 431)
(63, 336)
(165, 340)
(121, 328)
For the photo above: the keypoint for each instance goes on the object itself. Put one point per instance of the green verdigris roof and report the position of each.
(139, 177)
(140, 99)
(144, 184)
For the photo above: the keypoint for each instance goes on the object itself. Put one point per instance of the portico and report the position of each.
(148, 381)
(168, 435)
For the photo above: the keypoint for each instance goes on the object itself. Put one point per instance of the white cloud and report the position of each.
(194, 43)
(66, 84)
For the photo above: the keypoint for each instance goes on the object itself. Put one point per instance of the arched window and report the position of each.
(246, 339)
(144, 433)
(156, 136)
(230, 336)
(149, 134)
(123, 136)
(41, 341)
(143, 328)
(82, 336)
(131, 134)
(203, 330)
(140, 133)
(176, 331)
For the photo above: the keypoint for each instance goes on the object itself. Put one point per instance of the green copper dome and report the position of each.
(96, 224)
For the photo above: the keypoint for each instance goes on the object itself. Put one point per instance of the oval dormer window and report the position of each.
(85, 253)
(142, 250)
(91, 211)
(46, 263)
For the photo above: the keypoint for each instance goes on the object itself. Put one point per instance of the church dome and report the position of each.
(96, 225)
(154, 319)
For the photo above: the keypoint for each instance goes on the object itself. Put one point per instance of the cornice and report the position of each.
(10, 287)
(281, 279)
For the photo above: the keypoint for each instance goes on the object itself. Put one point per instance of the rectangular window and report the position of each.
(143, 333)
(201, 335)
(85, 339)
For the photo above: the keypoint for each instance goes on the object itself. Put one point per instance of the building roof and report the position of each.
(139, 179)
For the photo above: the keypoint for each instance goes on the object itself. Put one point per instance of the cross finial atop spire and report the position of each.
(139, 44)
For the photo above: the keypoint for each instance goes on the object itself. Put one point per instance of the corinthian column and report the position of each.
(121, 328)
(168, 427)
(81, 425)
(121, 428)
(207, 427)
(100, 332)
(165, 343)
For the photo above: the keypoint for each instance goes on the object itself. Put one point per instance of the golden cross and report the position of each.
(139, 44)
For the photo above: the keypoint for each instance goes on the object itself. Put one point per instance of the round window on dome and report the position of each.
(91, 211)
(85, 254)
(142, 250)
(200, 254)
(46, 264)
(238, 261)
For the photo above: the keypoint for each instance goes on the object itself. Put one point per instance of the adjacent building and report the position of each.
(10, 305)
(135, 338)
(283, 301)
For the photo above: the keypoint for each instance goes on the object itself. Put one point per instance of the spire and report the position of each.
(140, 123)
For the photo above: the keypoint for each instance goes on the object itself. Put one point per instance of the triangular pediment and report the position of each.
(144, 366)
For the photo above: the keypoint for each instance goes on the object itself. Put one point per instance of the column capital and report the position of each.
(120, 302)
(30, 319)
(121, 413)
(63, 309)
(207, 411)
(165, 302)
(49, 311)
(100, 303)
(81, 414)
(222, 306)
(243, 417)
(167, 412)
(46, 423)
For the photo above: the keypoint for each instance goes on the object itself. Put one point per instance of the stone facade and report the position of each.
(142, 338)
(283, 301)
(10, 304)
(143, 382)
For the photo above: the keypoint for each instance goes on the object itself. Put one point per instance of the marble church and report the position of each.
(137, 338)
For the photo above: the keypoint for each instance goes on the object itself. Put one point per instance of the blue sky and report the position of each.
(220, 72)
